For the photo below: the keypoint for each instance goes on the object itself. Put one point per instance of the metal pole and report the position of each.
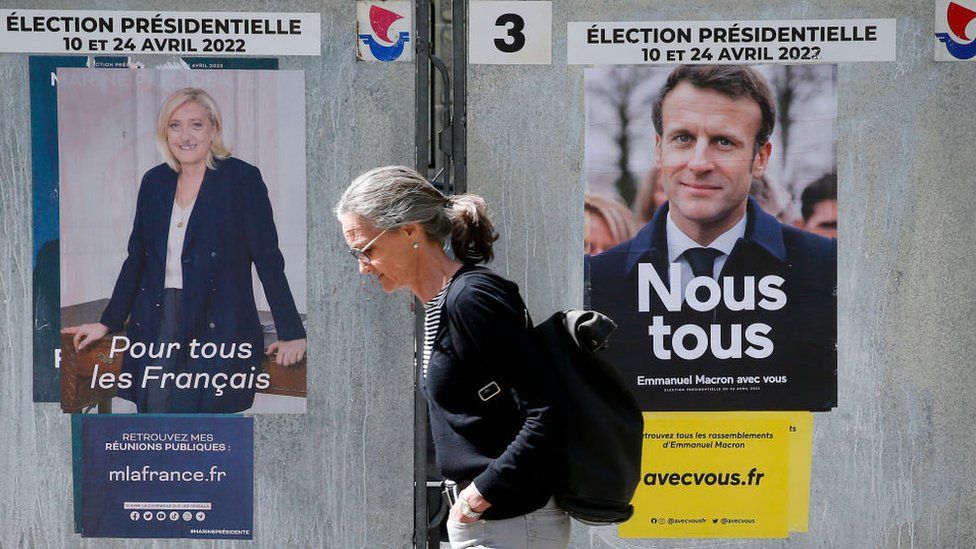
(422, 140)
(459, 20)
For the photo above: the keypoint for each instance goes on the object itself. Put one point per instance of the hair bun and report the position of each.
(473, 233)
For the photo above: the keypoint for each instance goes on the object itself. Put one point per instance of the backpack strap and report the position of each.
(489, 386)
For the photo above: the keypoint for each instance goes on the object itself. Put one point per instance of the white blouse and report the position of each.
(174, 245)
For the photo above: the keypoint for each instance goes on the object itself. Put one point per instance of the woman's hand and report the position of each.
(475, 503)
(287, 352)
(86, 333)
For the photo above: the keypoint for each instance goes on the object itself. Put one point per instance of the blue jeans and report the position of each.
(544, 528)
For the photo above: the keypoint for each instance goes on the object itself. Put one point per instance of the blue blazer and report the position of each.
(804, 332)
(230, 228)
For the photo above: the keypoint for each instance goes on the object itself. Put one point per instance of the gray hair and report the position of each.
(393, 196)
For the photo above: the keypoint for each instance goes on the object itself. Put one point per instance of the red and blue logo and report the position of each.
(379, 42)
(958, 42)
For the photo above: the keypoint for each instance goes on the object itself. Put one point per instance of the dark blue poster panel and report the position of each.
(172, 476)
(45, 178)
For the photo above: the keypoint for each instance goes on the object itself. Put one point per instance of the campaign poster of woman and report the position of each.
(183, 239)
(711, 232)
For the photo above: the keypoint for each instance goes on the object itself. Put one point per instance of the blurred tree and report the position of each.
(796, 89)
(619, 91)
(784, 100)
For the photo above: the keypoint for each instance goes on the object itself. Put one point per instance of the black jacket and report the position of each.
(489, 396)
(230, 229)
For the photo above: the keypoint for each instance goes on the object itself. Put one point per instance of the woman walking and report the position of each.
(486, 383)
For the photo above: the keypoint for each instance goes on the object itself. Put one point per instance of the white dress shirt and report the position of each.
(174, 245)
(679, 242)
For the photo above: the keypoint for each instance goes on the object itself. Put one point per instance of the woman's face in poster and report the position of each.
(598, 236)
(190, 133)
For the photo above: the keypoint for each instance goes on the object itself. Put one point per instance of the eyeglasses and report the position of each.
(360, 253)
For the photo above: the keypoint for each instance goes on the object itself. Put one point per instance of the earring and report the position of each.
(415, 245)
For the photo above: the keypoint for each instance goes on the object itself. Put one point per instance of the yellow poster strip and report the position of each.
(722, 475)
(801, 453)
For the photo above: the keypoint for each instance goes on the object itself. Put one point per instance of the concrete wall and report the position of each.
(893, 464)
(337, 476)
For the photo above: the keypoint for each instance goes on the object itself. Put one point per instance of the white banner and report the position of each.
(152, 32)
(730, 42)
(510, 32)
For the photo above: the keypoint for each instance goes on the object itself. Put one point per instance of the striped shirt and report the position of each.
(432, 322)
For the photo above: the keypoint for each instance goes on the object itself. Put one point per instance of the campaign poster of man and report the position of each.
(182, 240)
(710, 232)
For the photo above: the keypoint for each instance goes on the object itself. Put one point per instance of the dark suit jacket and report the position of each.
(804, 331)
(231, 228)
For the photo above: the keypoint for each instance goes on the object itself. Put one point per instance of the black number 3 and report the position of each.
(515, 32)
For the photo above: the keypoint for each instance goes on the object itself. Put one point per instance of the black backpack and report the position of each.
(601, 422)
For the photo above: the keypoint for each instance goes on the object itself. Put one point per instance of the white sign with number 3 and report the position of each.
(510, 33)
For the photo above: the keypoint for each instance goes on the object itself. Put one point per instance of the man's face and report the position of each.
(823, 221)
(705, 154)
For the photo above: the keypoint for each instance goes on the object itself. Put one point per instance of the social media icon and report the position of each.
(174, 515)
(187, 515)
(147, 515)
(201, 515)
(134, 515)
(161, 515)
